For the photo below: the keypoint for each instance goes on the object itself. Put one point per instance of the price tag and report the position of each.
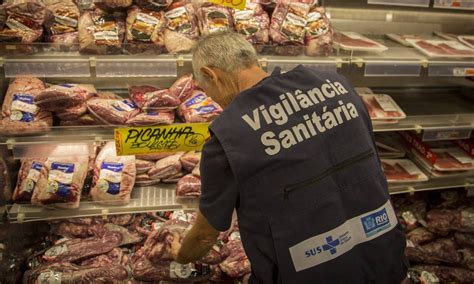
(446, 134)
(235, 4)
(154, 139)
(386, 103)
(463, 72)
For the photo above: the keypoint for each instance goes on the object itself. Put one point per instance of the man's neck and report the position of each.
(250, 77)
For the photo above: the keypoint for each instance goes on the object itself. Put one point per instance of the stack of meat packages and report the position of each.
(382, 108)
(124, 248)
(149, 26)
(440, 158)
(32, 107)
(440, 235)
(396, 166)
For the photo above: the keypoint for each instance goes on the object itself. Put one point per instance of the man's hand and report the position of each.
(198, 241)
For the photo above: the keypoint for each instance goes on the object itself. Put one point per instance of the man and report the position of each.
(294, 154)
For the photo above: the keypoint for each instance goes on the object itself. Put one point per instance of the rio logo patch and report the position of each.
(375, 222)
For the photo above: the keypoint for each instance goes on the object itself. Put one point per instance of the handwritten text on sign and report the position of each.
(153, 139)
(236, 4)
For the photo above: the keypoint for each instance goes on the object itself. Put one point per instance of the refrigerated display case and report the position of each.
(433, 95)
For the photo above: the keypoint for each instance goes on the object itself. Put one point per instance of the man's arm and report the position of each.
(198, 241)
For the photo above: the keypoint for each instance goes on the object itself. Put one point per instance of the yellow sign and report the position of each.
(154, 139)
(236, 4)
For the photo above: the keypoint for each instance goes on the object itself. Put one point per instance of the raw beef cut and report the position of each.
(382, 107)
(190, 160)
(443, 221)
(153, 157)
(78, 249)
(143, 166)
(115, 256)
(154, 117)
(85, 119)
(448, 274)
(355, 41)
(61, 180)
(174, 178)
(152, 98)
(288, 23)
(72, 113)
(467, 258)
(68, 273)
(118, 3)
(144, 180)
(166, 167)
(183, 87)
(20, 114)
(442, 48)
(121, 220)
(71, 230)
(218, 253)
(214, 19)
(127, 236)
(112, 112)
(402, 170)
(252, 22)
(28, 176)
(22, 20)
(114, 176)
(237, 264)
(63, 17)
(464, 240)
(145, 26)
(60, 97)
(189, 186)
(182, 29)
(199, 108)
(420, 235)
(156, 5)
(100, 33)
(436, 252)
(319, 33)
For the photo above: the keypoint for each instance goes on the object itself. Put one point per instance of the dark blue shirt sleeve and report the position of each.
(219, 192)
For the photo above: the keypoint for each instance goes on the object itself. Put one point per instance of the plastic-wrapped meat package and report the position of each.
(144, 180)
(156, 5)
(143, 166)
(190, 160)
(154, 117)
(464, 240)
(166, 167)
(5, 187)
(153, 157)
(173, 179)
(319, 33)
(71, 230)
(23, 20)
(442, 48)
(183, 87)
(85, 119)
(118, 3)
(467, 258)
(71, 273)
(60, 97)
(64, 42)
(145, 27)
(443, 221)
(436, 252)
(114, 176)
(419, 236)
(20, 114)
(189, 186)
(288, 23)
(100, 33)
(447, 274)
(402, 170)
(63, 17)
(182, 30)
(199, 108)
(355, 41)
(60, 182)
(111, 111)
(382, 107)
(412, 215)
(252, 22)
(237, 264)
(72, 113)
(28, 176)
(214, 19)
(152, 98)
(217, 254)
(157, 246)
(112, 257)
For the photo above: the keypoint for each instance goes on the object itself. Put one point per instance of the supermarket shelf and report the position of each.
(432, 184)
(146, 199)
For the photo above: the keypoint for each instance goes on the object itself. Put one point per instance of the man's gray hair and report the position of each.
(227, 51)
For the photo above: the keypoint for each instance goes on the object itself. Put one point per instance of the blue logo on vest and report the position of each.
(331, 245)
(375, 222)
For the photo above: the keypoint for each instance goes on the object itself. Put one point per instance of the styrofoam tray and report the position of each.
(461, 48)
(448, 154)
(371, 44)
(467, 40)
(382, 107)
(402, 170)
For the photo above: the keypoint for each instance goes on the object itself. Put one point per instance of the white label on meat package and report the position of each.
(244, 15)
(296, 20)
(409, 167)
(106, 35)
(24, 103)
(63, 20)
(409, 217)
(122, 106)
(460, 156)
(386, 103)
(56, 250)
(50, 277)
(178, 270)
(111, 172)
(428, 278)
(175, 13)
(148, 19)
(34, 172)
(313, 17)
(16, 25)
(60, 176)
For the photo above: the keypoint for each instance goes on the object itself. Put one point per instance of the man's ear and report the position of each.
(209, 74)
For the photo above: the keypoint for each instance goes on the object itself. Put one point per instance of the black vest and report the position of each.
(314, 205)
